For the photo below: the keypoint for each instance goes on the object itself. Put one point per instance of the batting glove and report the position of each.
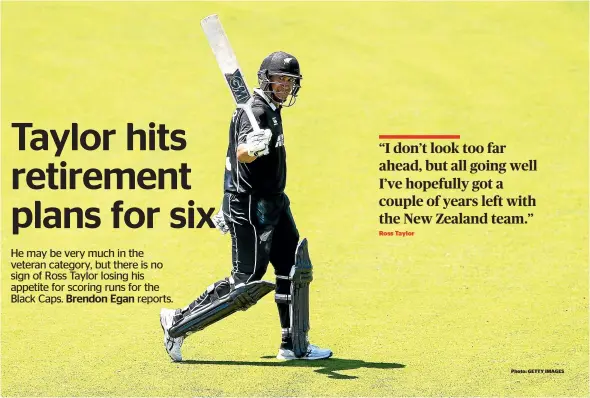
(257, 142)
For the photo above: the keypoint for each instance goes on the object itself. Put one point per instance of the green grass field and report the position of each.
(447, 312)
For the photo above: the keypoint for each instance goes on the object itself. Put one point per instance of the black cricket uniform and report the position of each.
(255, 207)
(267, 175)
(257, 212)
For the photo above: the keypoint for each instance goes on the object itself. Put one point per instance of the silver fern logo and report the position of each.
(280, 141)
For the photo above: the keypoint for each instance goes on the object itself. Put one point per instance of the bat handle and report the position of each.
(247, 107)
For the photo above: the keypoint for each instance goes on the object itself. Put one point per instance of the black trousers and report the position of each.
(262, 230)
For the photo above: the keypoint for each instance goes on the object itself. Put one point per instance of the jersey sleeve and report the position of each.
(244, 125)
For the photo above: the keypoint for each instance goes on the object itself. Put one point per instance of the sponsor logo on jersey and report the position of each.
(274, 120)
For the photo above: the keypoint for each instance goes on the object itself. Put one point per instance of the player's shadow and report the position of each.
(328, 367)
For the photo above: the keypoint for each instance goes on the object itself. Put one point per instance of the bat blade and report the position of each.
(226, 59)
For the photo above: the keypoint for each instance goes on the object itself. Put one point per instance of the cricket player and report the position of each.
(257, 214)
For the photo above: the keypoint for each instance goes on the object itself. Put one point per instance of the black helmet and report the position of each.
(282, 64)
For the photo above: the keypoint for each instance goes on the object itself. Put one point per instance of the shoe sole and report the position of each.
(303, 358)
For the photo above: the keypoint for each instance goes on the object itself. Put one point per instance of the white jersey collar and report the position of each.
(265, 98)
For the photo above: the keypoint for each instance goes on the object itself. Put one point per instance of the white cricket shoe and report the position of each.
(172, 344)
(313, 352)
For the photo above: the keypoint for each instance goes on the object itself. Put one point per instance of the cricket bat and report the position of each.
(226, 59)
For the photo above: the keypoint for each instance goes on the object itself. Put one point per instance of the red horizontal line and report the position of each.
(420, 137)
